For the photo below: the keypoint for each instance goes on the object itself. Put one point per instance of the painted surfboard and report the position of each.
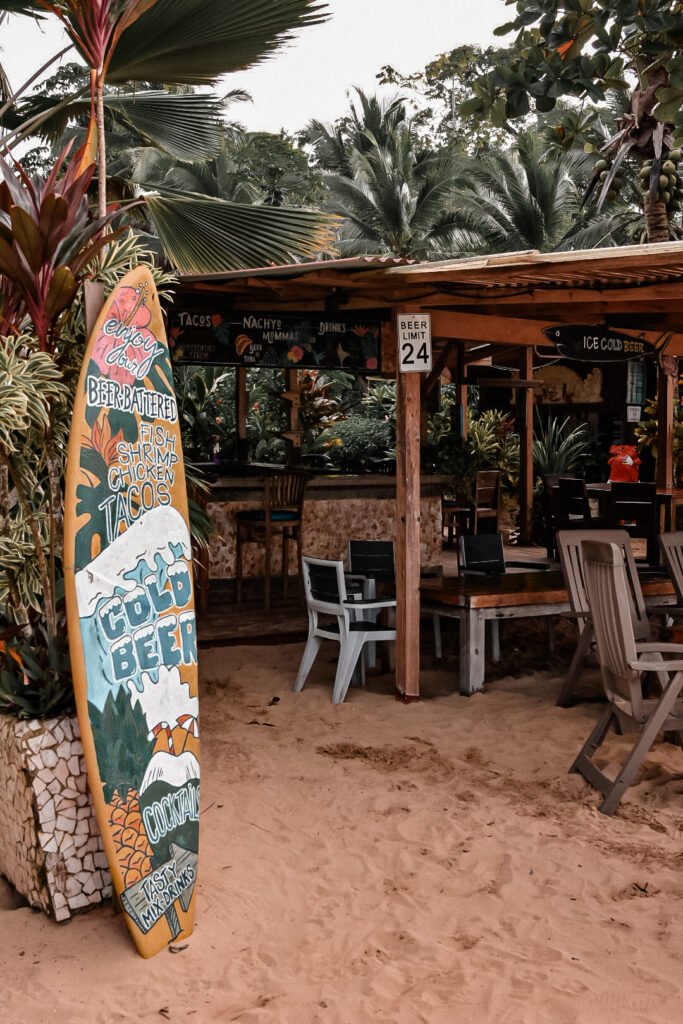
(131, 620)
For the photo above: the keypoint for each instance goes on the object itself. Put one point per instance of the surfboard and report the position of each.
(131, 618)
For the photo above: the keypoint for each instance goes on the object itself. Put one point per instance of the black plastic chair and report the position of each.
(484, 555)
(372, 558)
(573, 506)
(633, 507)
(551, 502)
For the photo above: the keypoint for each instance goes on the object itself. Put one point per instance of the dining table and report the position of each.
(473, 601)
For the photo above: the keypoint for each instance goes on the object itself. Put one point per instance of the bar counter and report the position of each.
(336, 509)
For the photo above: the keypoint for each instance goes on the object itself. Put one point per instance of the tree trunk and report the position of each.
(657, 222)
(101, 150)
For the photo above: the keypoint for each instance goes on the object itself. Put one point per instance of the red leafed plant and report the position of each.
(47, 241)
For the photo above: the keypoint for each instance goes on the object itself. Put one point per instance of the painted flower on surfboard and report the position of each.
(125, 348)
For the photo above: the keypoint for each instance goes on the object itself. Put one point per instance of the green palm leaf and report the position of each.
(204, 235)
(196, 41)
(186, 127)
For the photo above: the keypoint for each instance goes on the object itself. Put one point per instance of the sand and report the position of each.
(422, 864)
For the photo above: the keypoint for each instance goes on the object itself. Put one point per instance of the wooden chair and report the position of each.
(281, 516)
(454, 519)
(623, 664)
(326, 596)
(671, 545)
(573, 506)
(569, 546)
(486, 504)
(551, 508)
(633, 507)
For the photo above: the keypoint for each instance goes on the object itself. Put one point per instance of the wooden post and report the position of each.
(241, 413)
(93, 295)
(460, 407)
(666, 385)
(294, 434)
(526, 438)
(408, 534)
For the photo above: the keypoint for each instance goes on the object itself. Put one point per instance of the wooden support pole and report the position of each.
(408, 534)
(241, 413)
(293, 433)
(666, 387)
(460, 407)
(93, 294)
(525, 399)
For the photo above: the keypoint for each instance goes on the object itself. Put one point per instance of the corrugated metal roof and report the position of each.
(300, 269)
(626, 266)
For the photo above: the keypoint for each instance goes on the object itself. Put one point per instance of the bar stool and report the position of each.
(281, 515)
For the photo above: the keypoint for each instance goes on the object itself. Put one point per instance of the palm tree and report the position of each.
(525, 199)
(191, 43)
(393, 196)
(373, 122)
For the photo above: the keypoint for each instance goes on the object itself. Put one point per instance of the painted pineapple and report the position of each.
(123, 751)
(133, 851)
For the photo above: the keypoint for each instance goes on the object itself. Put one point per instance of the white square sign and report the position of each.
(414, 342)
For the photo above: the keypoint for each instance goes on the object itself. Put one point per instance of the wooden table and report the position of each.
(524, 595)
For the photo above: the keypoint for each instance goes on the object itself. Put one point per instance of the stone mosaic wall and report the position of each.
(50, 846)
(327, 527)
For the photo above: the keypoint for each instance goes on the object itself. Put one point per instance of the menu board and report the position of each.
(314, 341)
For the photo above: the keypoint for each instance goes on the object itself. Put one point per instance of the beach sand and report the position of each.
(376, 862)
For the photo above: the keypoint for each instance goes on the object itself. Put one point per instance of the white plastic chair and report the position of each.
(326, 596)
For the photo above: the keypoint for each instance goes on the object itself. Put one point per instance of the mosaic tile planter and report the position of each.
(50, 846)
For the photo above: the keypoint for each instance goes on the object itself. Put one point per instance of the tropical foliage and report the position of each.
(647, 436)
(558, 447)
(394, 196)
(125, 43)
(587, 49)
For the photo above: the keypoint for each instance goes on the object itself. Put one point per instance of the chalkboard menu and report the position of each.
(591, 344)
(314, 341)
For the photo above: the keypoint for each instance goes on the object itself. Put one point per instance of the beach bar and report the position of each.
(479, 310)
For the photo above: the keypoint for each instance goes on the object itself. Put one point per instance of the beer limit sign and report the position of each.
(414, 342)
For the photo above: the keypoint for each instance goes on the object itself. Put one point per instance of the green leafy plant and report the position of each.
(587, 49)
(380, 401)
(185, 44)
(363, 446)
(206, 410)
(647, 436)
(35, 676)
(491, 444)
(558, 447)
(47, 243)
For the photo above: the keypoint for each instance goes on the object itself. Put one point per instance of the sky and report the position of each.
(312, 76)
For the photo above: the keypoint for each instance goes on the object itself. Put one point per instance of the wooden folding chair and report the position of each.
(623, 664)
(671, 545)
(569, 547)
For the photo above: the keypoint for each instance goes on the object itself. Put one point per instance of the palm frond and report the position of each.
(186, 126)
(196, 41)
(204, 235)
